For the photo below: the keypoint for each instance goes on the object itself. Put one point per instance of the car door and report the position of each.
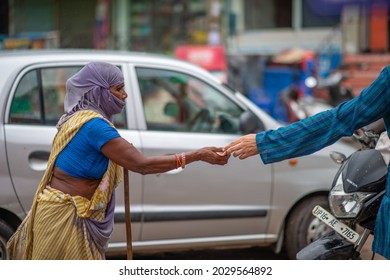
(182, 113)
(35, 106)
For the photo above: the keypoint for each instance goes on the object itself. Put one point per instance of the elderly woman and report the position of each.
(73, 209)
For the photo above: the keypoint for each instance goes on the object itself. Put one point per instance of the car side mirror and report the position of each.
(249, 123)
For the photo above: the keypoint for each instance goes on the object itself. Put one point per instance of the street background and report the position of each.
(262, 48)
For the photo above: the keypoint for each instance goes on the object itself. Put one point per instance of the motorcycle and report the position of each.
(299, 108)
(354, 200)
(337, 93)
(327, 93)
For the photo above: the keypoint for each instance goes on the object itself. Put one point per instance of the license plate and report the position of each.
(327, 218)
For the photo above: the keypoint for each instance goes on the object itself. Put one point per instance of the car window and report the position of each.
(53, 89)
(175, 101)
(39, 97)
(25, 106)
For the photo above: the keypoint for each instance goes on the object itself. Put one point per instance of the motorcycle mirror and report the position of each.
(310, 82)
(371, 134)
(337, 157)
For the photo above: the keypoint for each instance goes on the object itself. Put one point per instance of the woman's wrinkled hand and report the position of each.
(214, 155)
(243, 147)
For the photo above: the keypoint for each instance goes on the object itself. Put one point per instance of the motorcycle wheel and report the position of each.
(302, 227)
(5, 233)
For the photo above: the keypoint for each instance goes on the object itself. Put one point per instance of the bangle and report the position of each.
(183, 160)
(177, 161)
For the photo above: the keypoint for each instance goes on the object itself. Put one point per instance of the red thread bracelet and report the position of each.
(177, 161)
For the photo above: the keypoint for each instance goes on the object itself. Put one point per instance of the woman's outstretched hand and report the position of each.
(243, 147)
(214, 155)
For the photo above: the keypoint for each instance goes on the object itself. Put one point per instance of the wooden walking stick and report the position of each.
(127, 214)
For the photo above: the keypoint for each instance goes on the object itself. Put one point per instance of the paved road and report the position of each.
(255, 253)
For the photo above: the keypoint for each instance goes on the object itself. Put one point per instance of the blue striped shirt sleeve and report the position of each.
(323, 129)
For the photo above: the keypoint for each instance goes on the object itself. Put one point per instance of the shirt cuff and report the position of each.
(259, 143)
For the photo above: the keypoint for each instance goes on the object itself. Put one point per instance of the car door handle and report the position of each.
(38, 160)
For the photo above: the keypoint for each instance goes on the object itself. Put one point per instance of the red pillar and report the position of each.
(378, 28)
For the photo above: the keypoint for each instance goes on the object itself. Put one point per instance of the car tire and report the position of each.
(302, 227)
(5, 233)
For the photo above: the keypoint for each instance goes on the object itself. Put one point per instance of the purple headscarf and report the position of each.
(88, 89)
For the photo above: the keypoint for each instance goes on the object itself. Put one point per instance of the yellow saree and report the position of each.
(60, 226)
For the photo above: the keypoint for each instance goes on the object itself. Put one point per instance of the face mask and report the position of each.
(111, 104)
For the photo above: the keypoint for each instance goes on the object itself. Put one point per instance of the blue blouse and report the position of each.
(312, 134)
(82, 158)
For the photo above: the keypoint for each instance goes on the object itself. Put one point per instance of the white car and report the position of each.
(173, 107)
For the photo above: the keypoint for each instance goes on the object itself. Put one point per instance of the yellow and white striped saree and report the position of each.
(60, 226)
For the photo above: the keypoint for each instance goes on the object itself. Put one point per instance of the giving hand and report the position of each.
(243, 147)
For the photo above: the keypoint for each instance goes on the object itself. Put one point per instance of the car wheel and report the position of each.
(5, 233)
(302, 227)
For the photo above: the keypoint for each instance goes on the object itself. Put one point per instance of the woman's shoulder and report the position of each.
(97, 121)
(98, 131)
(97, 126)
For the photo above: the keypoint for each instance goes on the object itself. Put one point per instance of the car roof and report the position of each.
(85, 55)
(18, 59)
(71, 52)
